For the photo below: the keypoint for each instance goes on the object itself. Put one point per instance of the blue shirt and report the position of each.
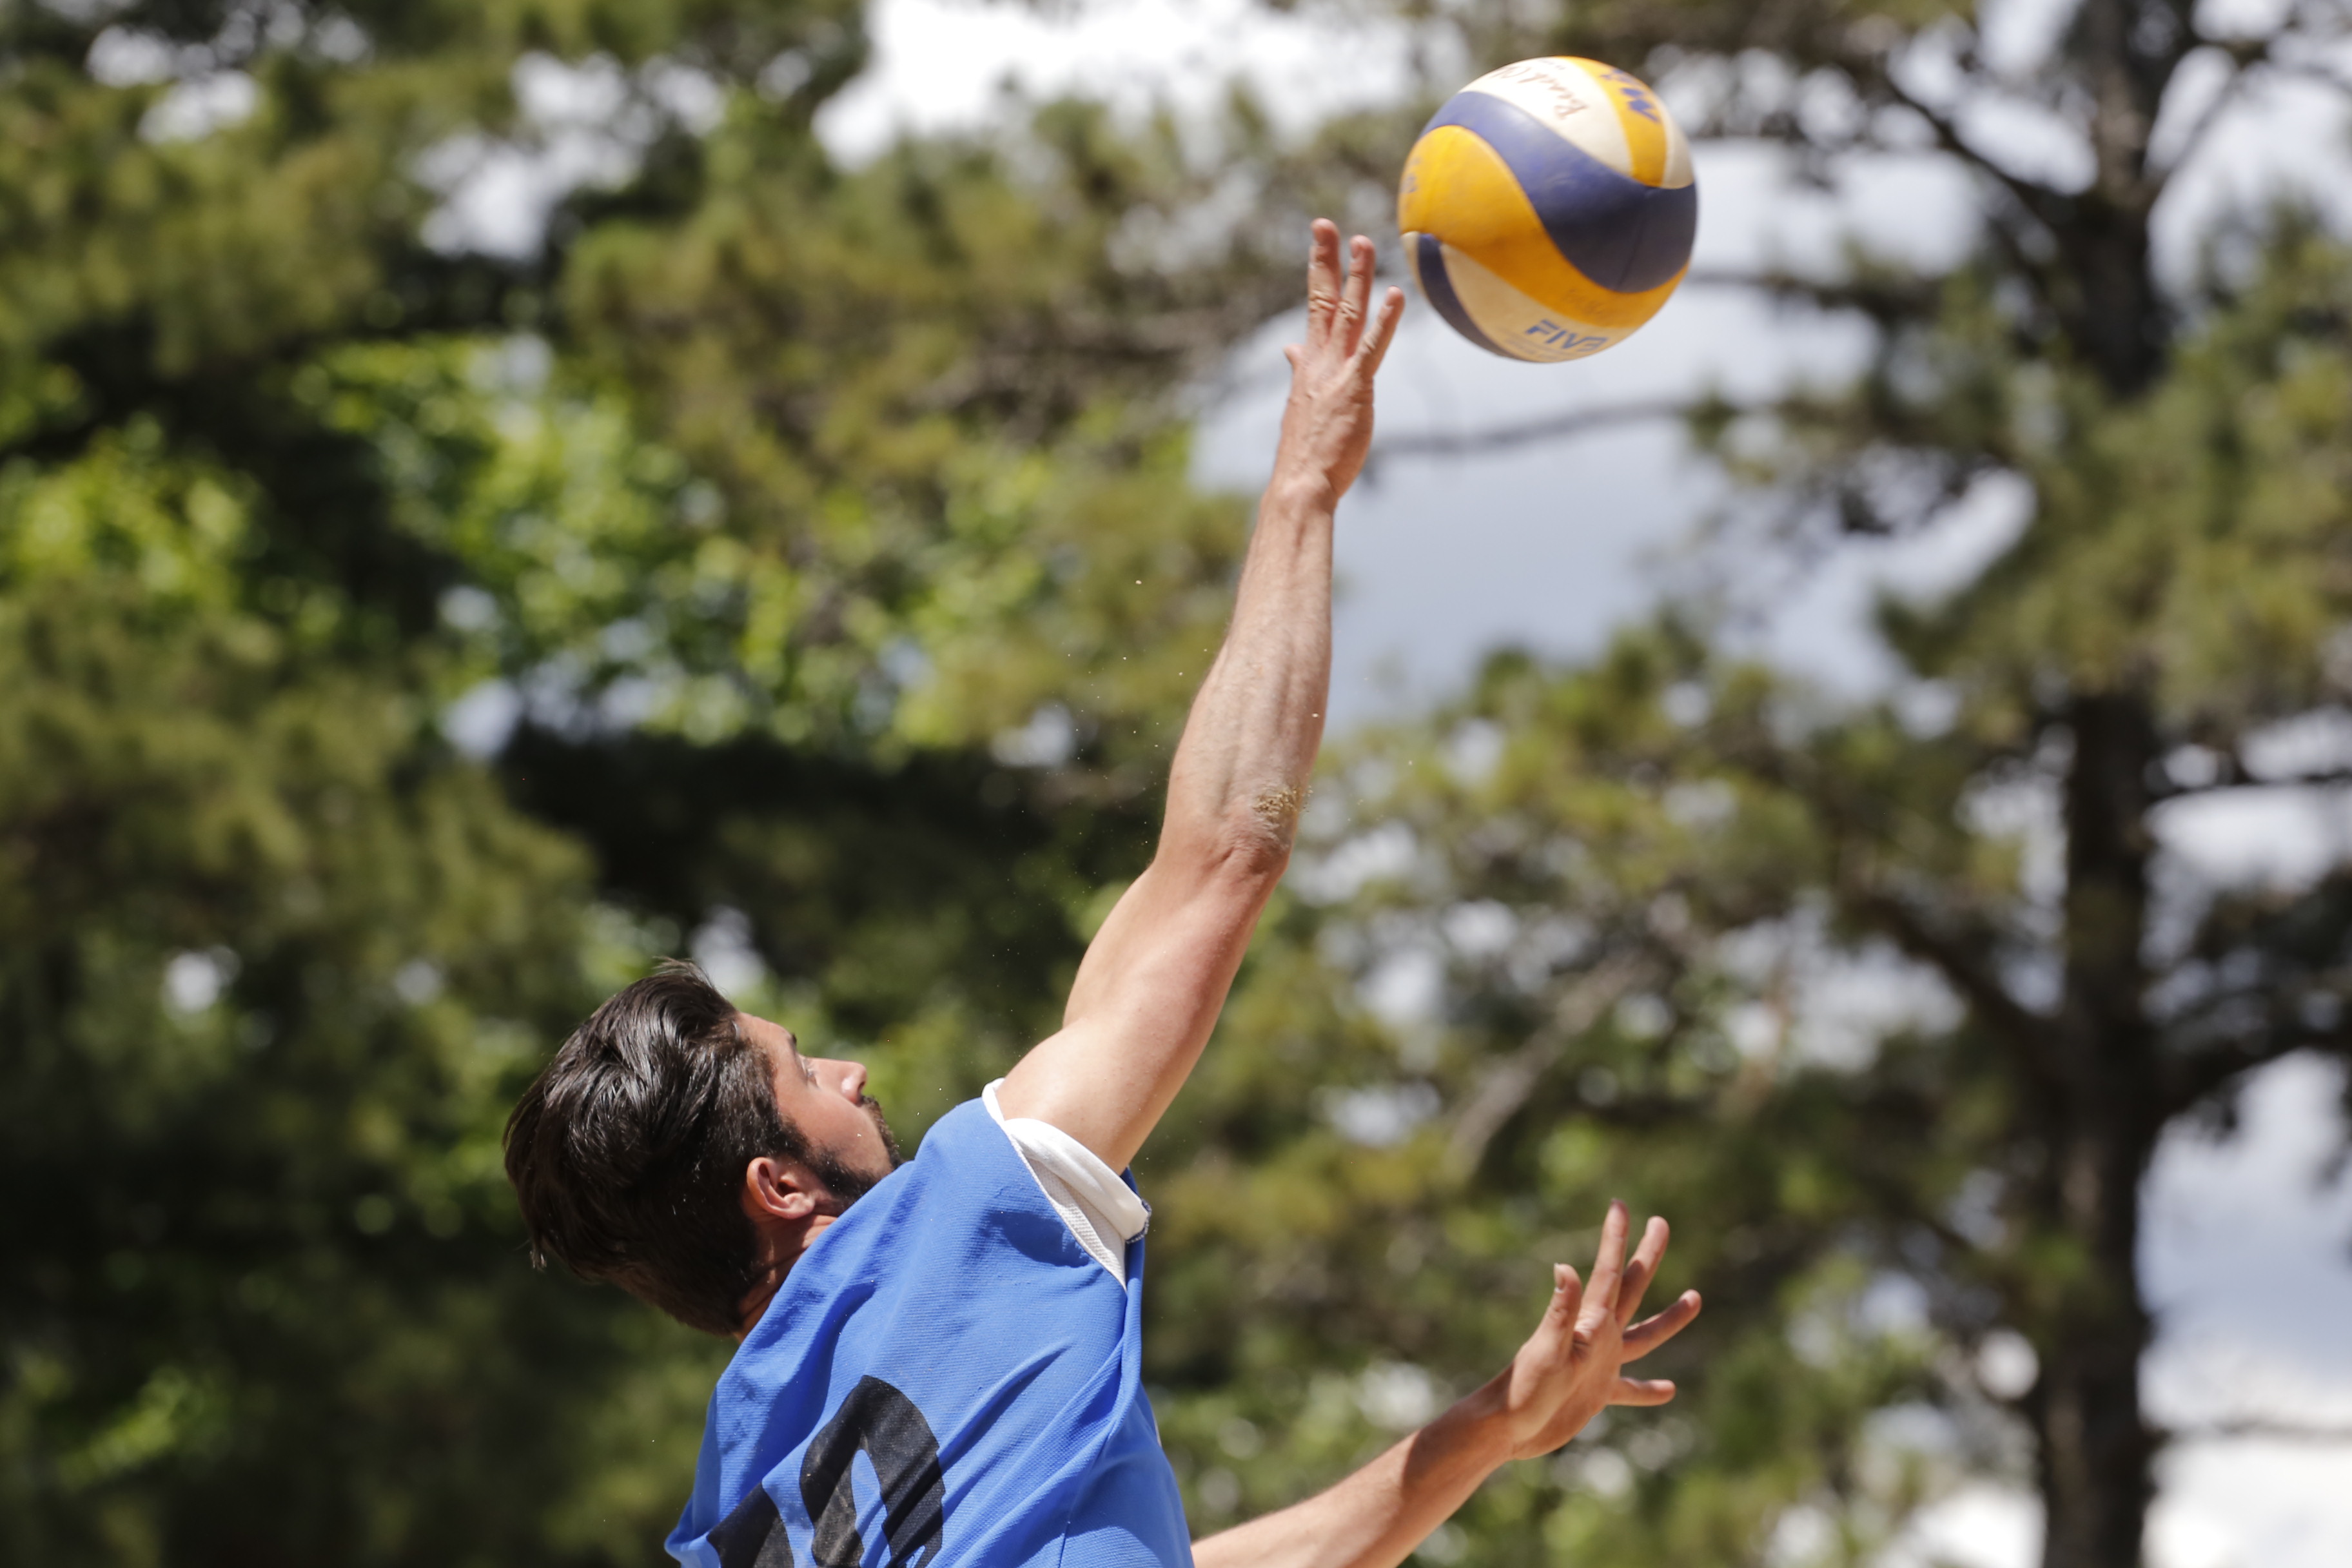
(945, 1379)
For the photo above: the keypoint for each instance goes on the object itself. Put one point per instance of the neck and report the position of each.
(781, 1244)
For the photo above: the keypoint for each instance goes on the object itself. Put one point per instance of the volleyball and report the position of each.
(1548, 209)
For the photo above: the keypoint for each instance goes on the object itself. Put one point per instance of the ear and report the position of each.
(778, 1189)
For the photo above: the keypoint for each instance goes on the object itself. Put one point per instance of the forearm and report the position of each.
(1376, 1517)
(1241, 771)
(1157, 973)
(1148, 992)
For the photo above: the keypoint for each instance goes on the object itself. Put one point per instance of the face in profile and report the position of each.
(850, 1147)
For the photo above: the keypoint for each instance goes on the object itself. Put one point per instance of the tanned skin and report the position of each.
(1156, 975)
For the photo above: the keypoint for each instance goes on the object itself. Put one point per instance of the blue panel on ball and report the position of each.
(1429, 266)
(1623, 235)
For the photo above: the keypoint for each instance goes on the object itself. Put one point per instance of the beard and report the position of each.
(844, 1182)
(889, 1140)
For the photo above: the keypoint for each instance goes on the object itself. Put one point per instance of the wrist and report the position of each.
(1301, 491)
(1482, 1420)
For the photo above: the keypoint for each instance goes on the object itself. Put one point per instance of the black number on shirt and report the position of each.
(884, 1422)
(752, 1536)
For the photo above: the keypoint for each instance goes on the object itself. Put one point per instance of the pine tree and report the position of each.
(1632, 876)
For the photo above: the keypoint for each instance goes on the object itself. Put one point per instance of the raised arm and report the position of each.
(1155, 977)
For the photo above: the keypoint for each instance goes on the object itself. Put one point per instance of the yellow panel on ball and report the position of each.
(1459, 189)
(1534, 330)
(1548, 209)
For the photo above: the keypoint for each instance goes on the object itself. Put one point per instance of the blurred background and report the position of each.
(496, 491)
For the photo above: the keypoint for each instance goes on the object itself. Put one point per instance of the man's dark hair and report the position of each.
(627, 1152)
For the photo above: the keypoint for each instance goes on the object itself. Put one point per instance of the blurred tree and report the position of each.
(804, 555)
(1889, 1005)
(271, 959)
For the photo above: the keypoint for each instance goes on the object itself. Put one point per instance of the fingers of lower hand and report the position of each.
(1567, 1289)
(1642, 1391)
(1609, 1266)
(1630, 1286)
(1651, 1332)
(1643, 1270)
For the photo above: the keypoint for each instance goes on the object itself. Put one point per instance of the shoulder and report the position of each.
(972, 1124)
(1101, 1208)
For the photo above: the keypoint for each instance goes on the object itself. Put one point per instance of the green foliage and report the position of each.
(1621, 918)
(829, 528)
(755, 448)
(2192, 537)
(1886, 1004)
(273, 963)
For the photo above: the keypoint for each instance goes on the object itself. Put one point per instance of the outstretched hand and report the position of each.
(1570, 1367)
(1327, 431)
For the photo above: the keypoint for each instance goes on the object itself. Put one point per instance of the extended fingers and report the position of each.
(1642, 1270)
(1567, 1295)
(1374, 346)
(1642, 1391)
(1651, 1332)
(1609, 1267)
(1355, 297)
(1322, 280)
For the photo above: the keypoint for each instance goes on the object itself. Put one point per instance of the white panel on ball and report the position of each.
(1523, 328)
(1560, 94)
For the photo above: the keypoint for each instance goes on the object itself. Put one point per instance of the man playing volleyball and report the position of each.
(970, 1320)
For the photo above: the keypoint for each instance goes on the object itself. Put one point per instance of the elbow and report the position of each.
(1252, 848)
(1236, 857)
(1244, 847)
(1254, 859)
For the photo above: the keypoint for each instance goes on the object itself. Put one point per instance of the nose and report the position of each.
(852, 1079)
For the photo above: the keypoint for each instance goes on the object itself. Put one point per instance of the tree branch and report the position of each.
(1881, 298)
(2311, 71)
(2306, 19)
(2032, 1037)
(2235, 774)
(2263, 1429)
(1509, 1081)
(2245, 59)
(2188, 1079)
(2035, 199)
(1548, 428)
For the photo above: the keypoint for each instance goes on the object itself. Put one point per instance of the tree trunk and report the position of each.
(2097, 1451)
(2095, 1448)
(2117, 318)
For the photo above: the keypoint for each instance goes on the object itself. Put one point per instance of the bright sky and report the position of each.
(1553, 546)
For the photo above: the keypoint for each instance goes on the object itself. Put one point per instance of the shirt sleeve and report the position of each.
(1103, 1212)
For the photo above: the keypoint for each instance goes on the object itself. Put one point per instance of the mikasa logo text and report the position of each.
(1636, 95)
(1538, 73)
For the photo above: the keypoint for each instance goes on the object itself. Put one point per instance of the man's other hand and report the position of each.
(1561, 1379)
(1326, 429)
(1572, 1365)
